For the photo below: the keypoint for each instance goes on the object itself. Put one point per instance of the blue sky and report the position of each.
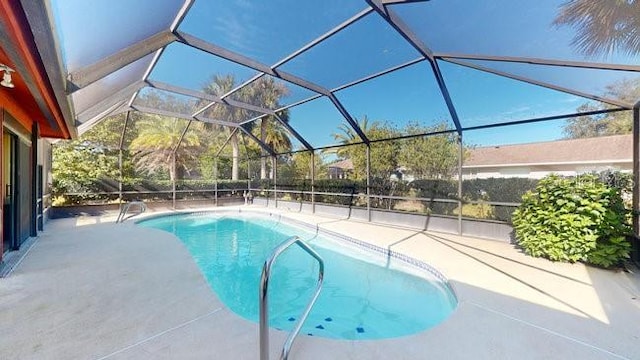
(269, 31)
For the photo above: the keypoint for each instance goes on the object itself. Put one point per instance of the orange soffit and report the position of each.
(19, 33)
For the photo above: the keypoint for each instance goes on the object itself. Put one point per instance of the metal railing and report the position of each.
(428, 200)
(312, 197)
(125, 208)
(264, 303)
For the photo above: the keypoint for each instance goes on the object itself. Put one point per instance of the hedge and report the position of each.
(503, 190)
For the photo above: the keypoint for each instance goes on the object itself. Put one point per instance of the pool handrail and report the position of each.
(125, 208)
(264, 285)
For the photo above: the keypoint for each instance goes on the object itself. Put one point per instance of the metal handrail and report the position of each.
(436, 200)
(125, 208)
(264, 284)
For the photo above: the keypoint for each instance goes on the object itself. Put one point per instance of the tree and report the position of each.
(266, 92)
(89, 163)
(384, 156)
(346, 135)
(154, 147)
(167, 101)
(432, 157)
(106, 133)
(79, 166)
(211, 139)
(602, 27)
(384, 153)
(586, 126)
(260, 93)
(220, 85)
(276, 137)
(614, 123)
(301, 162)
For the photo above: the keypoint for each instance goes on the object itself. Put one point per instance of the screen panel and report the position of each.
(266, 31)
(611, 84)
(110, 84)
(271, 93)
(168, 101)
(364, 48)
(482, 98)
(82, 26)
(595, 31)
(320, 123)
(405, 99)
(187, 67)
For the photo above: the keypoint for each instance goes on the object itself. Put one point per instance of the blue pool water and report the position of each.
(365, 294)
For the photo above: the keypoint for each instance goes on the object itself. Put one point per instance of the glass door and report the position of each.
(10, 215)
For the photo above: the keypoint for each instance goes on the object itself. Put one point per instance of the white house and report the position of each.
(563, 157)
(342, 169)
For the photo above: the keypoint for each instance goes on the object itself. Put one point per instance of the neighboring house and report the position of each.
(404, 174)
(563, 157)
(342, 169)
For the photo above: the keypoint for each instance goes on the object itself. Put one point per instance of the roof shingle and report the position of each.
(616, 147)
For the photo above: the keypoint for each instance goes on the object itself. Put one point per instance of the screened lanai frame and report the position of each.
(75, 86)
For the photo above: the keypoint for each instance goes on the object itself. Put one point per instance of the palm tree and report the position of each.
(347, 135)
(274, 135)
(602, 27)
(218, 86)
(264, 92)
(154, 146)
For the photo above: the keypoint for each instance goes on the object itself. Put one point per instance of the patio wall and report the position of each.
(57, 212)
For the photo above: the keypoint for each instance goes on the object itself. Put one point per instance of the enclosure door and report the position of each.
(10, 188)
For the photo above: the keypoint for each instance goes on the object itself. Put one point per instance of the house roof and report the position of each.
(617, 148)
(345, 164)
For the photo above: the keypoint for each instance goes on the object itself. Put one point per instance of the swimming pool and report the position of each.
(365, 295)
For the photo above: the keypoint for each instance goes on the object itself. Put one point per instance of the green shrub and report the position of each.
(573, 219)
(435, 188)
(621, 181)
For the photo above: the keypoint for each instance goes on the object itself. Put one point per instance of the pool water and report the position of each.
(364, 296)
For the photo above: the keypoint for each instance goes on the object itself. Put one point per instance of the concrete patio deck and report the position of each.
(92, 289)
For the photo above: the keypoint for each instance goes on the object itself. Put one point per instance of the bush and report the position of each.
(343, 186)
(621, 181)
(573, 219)
(435, 188)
